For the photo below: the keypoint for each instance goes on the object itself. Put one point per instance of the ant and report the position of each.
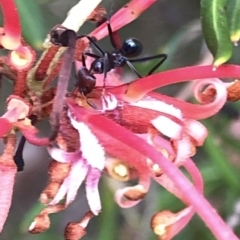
(106, 61)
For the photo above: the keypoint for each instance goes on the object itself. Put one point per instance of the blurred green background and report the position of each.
(172, 27)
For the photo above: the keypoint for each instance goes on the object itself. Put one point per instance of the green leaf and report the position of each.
(32, 22)
(215, 30)
(233, 10)
(228, 173)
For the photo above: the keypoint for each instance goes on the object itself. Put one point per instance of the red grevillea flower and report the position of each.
(130, 196)
(139, 111)
(129, 125)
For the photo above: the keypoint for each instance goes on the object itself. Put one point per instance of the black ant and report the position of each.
(106, 61)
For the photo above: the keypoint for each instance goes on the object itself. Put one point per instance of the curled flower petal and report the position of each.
(42, 222)
(220, 97)
(167, 224)
(196, 130)
(167, 127)
(17, 108)
(62, 156)
(184, 148)
(21, 58)
(131, 196)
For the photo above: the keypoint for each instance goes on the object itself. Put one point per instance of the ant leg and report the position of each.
(88, 102)
(111, 35)
(162, 56)
(91, 55)
(83, 60)
(106, 68)
(133, 68)
(93, 42)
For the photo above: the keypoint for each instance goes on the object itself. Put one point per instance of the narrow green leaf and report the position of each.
(215, 30)
(219, 160)
(233, 10)
(32, 22)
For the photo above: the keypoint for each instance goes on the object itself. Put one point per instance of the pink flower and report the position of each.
(171, 117)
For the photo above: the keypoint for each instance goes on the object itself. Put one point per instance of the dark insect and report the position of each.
(18, 157)
(105, 61)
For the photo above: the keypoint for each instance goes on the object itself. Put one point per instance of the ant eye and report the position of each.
(131, 47)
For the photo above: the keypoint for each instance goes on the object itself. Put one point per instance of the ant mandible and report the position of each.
(106, 61)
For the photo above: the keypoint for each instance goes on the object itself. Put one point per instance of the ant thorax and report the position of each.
(118, 59)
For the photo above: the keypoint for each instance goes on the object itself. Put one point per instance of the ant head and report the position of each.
(131, 47)
(86, 81)
(97, 66)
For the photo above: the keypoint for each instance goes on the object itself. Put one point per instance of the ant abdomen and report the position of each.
(86, 82)
(131, 47)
